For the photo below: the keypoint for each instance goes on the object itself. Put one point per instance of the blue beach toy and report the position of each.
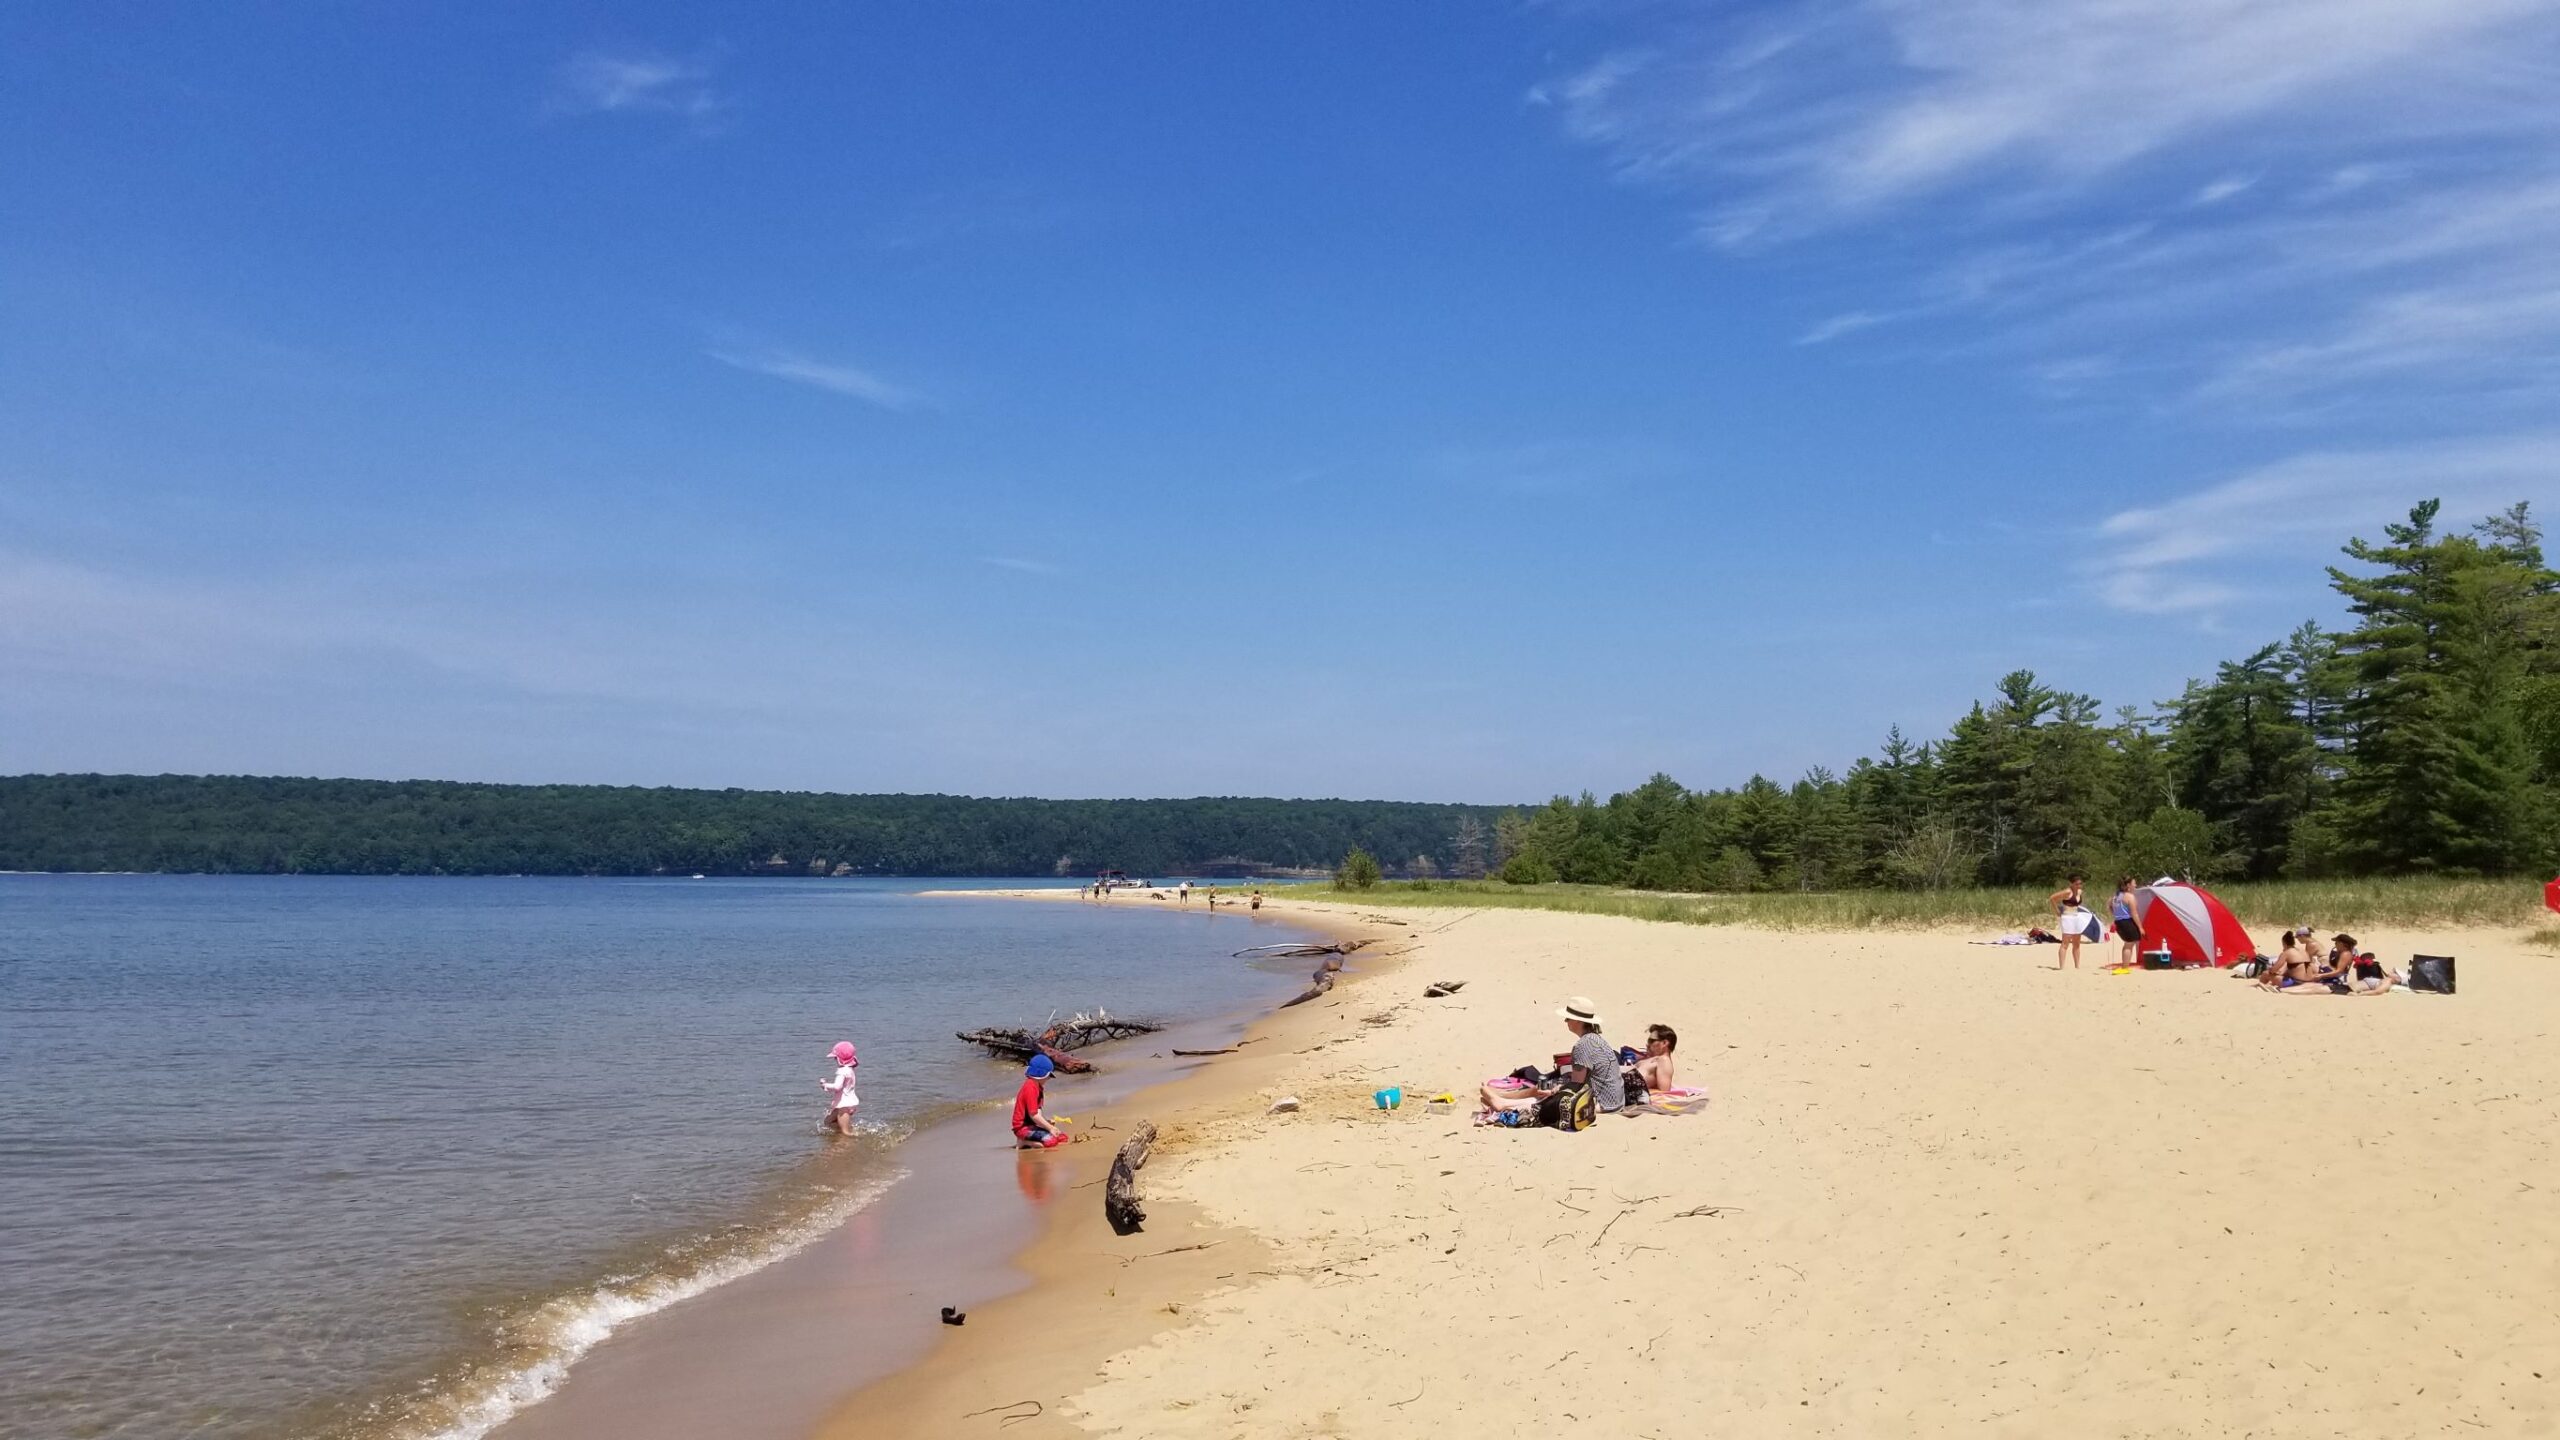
(1390, 1098)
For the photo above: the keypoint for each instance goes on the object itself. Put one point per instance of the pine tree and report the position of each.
(2438, 775)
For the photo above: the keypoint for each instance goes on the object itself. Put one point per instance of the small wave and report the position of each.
(553, 1337)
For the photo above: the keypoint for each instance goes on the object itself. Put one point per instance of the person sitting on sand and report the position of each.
(1033, 1129)
(1592, 1063)
(1654, 1067)
(2349, 972)
(840, 1113)
(2318, 977)
(2292, 951)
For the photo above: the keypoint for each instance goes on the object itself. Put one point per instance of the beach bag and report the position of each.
(1572, 1108)
(2251, 968)
(2433, 973)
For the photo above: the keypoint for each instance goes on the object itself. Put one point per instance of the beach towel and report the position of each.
(1678, 1100)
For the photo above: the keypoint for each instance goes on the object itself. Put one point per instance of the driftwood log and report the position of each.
(1058, 1039)
(1443, 987)
(1120, 1192)
(1293, 951)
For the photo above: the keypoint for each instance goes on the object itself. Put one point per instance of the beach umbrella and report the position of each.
(2187, 922)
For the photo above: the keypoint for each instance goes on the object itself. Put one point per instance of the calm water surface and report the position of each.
(326, 1156)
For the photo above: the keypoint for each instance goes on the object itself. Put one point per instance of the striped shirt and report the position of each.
(1601, 1059)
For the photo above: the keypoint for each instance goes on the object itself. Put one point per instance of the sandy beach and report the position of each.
(1941, 1188)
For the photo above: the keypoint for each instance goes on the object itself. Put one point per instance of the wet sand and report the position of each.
(1942, 1189)
(772, 1354)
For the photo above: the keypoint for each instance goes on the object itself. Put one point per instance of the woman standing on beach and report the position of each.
(2073, 909)
(2128, 929)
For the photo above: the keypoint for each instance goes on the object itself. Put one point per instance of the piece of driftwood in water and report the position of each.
(1120, 1193)
(1323, 984)
(1291, 952)
(1059, 1038)
(1230, 1050)
(1443, 987)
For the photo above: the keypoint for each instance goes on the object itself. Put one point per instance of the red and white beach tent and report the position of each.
(2190, 924)
(2551, 895)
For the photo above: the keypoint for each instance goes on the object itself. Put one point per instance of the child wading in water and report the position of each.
(840, 1115)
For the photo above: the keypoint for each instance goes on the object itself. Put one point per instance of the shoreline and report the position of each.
(1042, 1337)
(1941, 1189)
(768, 1353)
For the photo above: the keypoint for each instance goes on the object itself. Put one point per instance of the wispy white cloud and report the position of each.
(2206, 550)
(2214, 192)
(1846, 322)
(2060, 178)
(846, 380)
(1026, 567)
(604, 82)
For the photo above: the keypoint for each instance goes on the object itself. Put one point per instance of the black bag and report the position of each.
(1570, 1108)
(2432, 973)
(2251, 968)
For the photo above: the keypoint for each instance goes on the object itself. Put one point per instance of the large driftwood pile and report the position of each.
(1120, 1192)
(1059, 1038)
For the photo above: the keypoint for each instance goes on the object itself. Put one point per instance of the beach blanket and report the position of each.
(1678, 1100)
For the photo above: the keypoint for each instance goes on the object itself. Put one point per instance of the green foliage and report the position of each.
(239, 824)
(2364, 905)
(1358, 871)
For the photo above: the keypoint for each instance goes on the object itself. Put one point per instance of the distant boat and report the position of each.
(697, 875)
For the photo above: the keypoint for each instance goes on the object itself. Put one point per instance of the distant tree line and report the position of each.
(2425, 738)
(255, 825)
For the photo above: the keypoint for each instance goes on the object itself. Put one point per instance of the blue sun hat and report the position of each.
(1039, 1068)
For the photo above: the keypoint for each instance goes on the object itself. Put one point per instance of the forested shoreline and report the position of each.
(2423, 739)
(263, 825)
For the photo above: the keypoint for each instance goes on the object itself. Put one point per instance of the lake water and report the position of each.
(378, 1157)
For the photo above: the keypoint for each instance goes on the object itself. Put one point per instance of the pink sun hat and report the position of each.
(844, 1052)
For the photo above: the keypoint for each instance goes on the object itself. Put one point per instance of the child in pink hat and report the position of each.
(840, 1116)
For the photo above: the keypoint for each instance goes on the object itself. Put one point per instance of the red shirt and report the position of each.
(1026, 1103)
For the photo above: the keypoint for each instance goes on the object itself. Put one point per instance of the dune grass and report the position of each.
(2546, 938)
(2327, 905)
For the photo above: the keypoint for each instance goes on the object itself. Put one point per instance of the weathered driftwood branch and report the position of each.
(1443, 987)
(1323, 984)
(1058, 1039)
(1120, 1193)
(1293, 951)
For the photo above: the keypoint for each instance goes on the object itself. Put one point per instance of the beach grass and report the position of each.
(2546, 938)
(2326, 905)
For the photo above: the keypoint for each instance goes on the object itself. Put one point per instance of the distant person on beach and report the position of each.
(840, 1114)
(2128, 929)
(2349, 971)
(1257, 899)
(1032, 1127)
(2069, 903)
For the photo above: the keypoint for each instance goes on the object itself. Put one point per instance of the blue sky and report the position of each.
(1436, 402)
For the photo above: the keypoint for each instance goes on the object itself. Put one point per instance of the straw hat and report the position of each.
(1580, 1011)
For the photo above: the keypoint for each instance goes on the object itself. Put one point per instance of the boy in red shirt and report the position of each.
(1032, 1128)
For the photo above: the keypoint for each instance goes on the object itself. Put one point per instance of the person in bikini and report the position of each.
(2070, 904)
